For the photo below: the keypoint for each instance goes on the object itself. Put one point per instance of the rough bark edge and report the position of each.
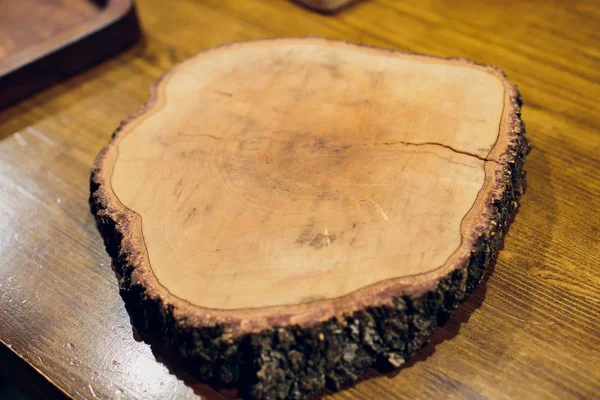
(301, 361)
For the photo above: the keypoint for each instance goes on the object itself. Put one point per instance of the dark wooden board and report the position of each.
(42, 41)
(530, 330)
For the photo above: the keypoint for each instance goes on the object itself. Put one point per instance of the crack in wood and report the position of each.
(466, 153)
(397, 142)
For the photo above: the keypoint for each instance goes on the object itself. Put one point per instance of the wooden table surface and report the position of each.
(532, 328)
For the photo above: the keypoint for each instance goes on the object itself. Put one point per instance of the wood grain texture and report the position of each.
(44, 41)
(529, 331)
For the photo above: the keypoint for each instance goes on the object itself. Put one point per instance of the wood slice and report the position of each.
(289, 213)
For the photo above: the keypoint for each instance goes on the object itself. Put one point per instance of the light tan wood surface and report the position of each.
(278, 173)
(529, 331)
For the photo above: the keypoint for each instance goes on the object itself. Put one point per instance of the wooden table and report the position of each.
(532, 328)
